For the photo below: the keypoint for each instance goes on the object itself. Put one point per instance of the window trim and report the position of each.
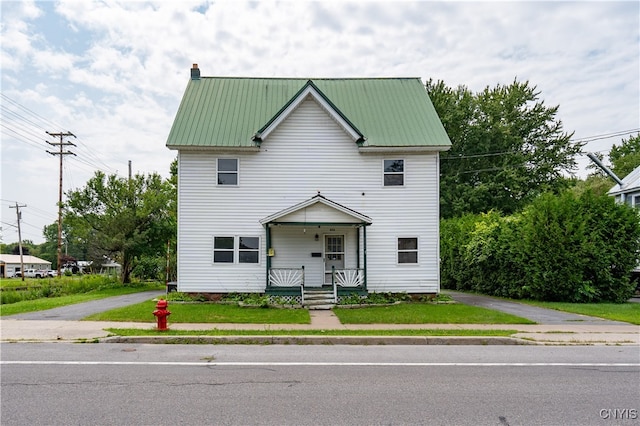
(416, 251)
(237, 171)
(236, 250)
(403, 173)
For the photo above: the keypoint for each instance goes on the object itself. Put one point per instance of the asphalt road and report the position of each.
(68, 384)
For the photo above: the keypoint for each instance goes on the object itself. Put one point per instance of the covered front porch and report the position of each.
(316, 247)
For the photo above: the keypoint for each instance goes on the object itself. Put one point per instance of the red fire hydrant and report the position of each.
(161, 314)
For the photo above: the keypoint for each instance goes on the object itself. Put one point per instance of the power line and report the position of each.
(24, 139)
(585, 139)
(607, 135)
(21, 121)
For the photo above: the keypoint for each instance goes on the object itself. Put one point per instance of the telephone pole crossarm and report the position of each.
(61, 153)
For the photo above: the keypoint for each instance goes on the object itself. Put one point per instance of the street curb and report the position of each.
(319, 340)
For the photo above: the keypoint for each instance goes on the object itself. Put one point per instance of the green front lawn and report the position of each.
(206, 313)
(626, 312)
(426, 313)
(409, 313)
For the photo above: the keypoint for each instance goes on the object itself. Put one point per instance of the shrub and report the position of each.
(567, 247)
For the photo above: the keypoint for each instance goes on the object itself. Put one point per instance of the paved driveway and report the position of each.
(81, 310)
(533, 313)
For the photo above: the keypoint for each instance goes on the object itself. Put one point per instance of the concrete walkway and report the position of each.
(552, 328)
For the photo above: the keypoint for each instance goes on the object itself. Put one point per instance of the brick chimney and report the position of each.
(195, 72)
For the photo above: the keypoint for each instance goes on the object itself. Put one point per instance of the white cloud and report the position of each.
(113, 72)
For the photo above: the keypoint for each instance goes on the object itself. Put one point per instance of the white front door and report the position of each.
(333, 255)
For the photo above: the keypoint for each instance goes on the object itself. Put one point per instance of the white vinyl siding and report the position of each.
(308, 153)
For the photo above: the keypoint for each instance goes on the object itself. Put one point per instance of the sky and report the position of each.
(113, 72)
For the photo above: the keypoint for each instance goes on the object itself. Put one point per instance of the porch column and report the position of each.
(268, 244)
(364, 257)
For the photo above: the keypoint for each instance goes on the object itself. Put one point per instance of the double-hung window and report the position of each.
(248, 249)
(236, 249)
(223, 251)
(393, 171)
(407, 250)
(227, 171)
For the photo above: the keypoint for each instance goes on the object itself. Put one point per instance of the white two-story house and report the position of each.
(289, 183)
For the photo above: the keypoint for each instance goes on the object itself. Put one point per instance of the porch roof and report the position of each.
(315, 216)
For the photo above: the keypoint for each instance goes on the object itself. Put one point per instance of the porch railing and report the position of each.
(348, 278)
(287, 277)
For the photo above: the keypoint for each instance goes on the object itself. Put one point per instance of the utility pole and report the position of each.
(19, 216)
(61, 153)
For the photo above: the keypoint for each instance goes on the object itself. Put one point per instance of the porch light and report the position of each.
(316, 237)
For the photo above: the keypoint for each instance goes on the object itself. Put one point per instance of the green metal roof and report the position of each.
(227, 112)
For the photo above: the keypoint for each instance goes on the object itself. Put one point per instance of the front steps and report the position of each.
(318, 298)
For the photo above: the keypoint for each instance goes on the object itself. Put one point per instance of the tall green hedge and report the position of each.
(567, 247)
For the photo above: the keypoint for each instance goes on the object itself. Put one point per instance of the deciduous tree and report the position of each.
(625, 157)
(507, 148)
(124, 219)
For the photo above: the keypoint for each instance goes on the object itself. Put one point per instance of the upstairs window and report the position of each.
(407, 250)
(393, 172)
(227, 171)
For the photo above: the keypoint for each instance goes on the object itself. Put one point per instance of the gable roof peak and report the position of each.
(309, 89)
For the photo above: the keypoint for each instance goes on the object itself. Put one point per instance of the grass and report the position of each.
(626, 312)
(425, 313)
(206, 313)
(55, 302)
(11, 283)
(217, 332)
(410, 313)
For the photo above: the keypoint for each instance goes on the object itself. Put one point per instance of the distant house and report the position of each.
(286, 184)
(111, 268)
(629, 191)
(10, 264)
